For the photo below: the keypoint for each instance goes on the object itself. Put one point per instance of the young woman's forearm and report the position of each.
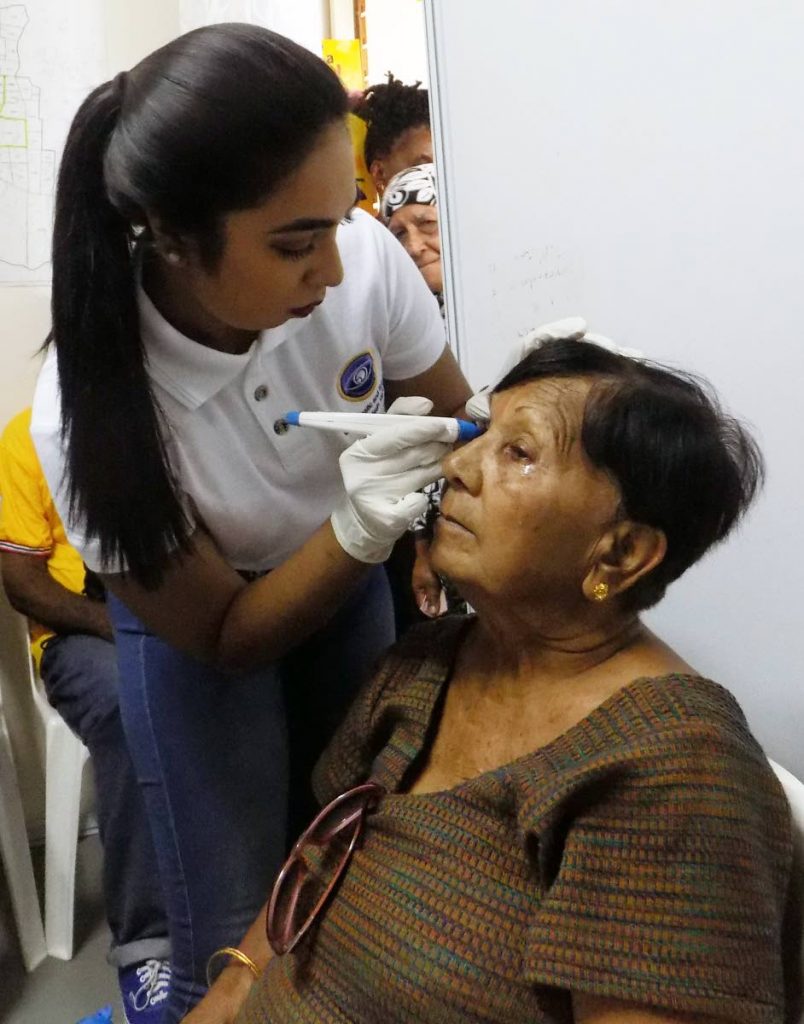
(274, 614)
(205, 608)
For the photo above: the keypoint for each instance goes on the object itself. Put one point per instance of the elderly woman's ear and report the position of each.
(624, 554)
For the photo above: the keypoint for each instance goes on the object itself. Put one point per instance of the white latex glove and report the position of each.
(571, 328)
(381, 475)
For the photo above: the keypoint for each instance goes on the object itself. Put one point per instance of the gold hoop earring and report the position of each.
(600, 591)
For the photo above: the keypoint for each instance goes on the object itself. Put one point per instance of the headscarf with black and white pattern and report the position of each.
(413, 185)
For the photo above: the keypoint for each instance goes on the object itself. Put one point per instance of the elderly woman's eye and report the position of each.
(519, 453)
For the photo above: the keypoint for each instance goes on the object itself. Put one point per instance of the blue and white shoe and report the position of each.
(144, 988)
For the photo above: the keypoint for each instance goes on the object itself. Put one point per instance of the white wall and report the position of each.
(25, 317)
(640, 163)
(305, 21)
(128, 33)
(395, 36)
(342, 19)
(133, 30)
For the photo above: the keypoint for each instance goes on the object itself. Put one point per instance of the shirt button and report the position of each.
(260, 393)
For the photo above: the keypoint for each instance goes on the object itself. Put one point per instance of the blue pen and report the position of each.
(370, 422)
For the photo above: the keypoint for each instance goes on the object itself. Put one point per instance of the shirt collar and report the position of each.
(190, 372)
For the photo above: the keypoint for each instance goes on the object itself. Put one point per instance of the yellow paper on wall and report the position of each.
(343, 56)
(366, 192)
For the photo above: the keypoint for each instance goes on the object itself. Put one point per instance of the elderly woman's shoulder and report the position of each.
(666, 742)
(679, 711)
(661, 839)
(655, 706)
(672, 716)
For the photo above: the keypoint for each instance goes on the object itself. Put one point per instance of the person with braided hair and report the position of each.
(398, 133)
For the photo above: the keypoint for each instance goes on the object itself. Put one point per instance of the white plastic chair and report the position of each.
(794, 791)
(16, 857)
(65, 757)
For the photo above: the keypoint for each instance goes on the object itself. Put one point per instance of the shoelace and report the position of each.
(154, 979)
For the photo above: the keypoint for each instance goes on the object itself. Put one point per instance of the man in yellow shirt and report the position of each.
(71, 642)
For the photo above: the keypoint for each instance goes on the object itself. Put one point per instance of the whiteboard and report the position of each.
(641, 163)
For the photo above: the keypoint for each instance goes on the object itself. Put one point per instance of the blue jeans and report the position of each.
(80, 677)
(211, 753)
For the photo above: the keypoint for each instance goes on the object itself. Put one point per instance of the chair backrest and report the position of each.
(23, 721)
(794, 791)
(18, 649)
(37, 690)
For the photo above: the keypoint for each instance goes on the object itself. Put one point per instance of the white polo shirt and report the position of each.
(260, 493)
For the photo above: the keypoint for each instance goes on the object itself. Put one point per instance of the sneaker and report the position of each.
(144, 988)
(103, 1016)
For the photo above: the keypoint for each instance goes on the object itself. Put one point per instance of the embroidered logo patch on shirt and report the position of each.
(359, 378)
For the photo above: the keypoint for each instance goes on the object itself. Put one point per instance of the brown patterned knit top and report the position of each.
(644, 854)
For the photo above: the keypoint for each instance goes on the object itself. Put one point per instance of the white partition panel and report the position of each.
(642, 163)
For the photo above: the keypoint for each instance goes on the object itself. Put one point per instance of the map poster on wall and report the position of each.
(51, 55)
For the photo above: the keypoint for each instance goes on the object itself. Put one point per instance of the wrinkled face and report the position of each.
(524, 508)
(414, 146)
(416, 227)
(279, 258)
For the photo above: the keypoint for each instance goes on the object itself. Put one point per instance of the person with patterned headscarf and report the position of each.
(408, 210)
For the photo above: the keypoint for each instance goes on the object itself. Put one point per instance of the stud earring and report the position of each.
(172, 257)
(600, 591)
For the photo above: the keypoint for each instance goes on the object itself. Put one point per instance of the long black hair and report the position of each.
(211, 123)
(682, 464)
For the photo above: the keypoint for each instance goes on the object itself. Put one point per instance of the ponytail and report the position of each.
(120, 484)
(210, 123)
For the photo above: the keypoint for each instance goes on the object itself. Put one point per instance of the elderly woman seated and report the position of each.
(540, 812)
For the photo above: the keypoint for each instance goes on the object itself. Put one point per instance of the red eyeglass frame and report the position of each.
(282, 932)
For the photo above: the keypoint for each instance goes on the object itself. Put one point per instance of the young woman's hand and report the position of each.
(381, 475)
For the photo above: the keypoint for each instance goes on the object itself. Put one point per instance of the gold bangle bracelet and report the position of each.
(235, 954)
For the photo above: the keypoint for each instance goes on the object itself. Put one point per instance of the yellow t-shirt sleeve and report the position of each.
(23, 526)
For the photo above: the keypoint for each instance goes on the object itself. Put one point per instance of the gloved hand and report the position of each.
(381, 475)
(571, 328)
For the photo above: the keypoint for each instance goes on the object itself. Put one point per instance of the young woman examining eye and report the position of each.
(204, 283)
